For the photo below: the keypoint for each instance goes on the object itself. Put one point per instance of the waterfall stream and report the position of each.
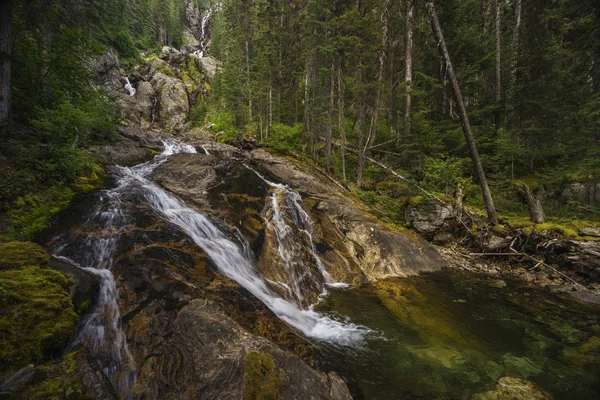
(101, 332)
(129, 87)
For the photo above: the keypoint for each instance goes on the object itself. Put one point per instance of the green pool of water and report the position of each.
(452, 335)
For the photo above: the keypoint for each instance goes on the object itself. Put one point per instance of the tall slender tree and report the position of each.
(462, 113)
(408, 64)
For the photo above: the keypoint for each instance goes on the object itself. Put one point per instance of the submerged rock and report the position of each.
(509, 388)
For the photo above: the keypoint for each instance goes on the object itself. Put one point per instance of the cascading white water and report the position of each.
(100, 332)
(287, 218)
(233, 258)
(129, 87)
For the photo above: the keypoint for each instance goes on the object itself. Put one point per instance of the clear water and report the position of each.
(450, 335)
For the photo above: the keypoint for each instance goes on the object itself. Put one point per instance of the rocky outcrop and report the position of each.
(189, 176)
(378, 251)
(107, 70)
(431, 218)
(172, 105)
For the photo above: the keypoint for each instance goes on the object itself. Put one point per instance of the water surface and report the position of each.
(449, 335)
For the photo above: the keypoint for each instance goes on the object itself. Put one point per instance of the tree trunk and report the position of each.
(306, 119)
(5, 61)
(248, 80)
(464, 118)
(536, 211)
(330, 118)
(510, 104)
(408, 64)
(498, 69)
(385, 18)
(359, 129)
(341, 121)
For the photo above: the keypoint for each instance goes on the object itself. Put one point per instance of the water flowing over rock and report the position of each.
(378, 251)
(125, 223)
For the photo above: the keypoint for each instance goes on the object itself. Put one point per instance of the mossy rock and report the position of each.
(58, 380)
(16, 255)
(31, 213)
(262, 379)
(37, 317)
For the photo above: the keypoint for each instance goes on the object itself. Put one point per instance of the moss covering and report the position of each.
(31, 213)
(16, 255)
(262, 379)
(59, 380)
(37, 316)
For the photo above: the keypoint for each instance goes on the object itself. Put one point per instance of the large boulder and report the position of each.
(172, 105)
(378, 251)
(107, 70)
(188, 175)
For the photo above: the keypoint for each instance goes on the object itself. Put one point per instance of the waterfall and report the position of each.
(101, 331)
(233, 258)
(287, 218)
(130, 89)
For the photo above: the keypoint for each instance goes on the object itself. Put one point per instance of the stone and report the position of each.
(20, 380)
(593, 232)
(509, 388)
(429, 216)
(189, 176)
(85, 285)
(173, 106)
(210, 66)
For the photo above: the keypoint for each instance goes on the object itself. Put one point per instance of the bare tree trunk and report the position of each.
(341, 121)
(330, 118)
(306, 120)
(510, 104)
(408, 64)
(498, 69)
(536, 211)
(385, 18)
(359, 129)
(464, 118)
(248, 80)
(5, 61)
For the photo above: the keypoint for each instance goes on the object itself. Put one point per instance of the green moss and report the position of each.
(16, 255)
(92, 182)
(31, 213)
(262, 380)
(37, 317)
(60, 380)
(152, 153)
(416, 201)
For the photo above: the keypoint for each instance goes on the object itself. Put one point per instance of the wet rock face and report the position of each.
(189, 176)
(377, 251)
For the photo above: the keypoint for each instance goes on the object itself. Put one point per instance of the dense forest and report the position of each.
(341, 82)
(317, 76)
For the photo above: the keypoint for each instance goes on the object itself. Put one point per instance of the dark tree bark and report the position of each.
(5, 62)
(464, 118)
